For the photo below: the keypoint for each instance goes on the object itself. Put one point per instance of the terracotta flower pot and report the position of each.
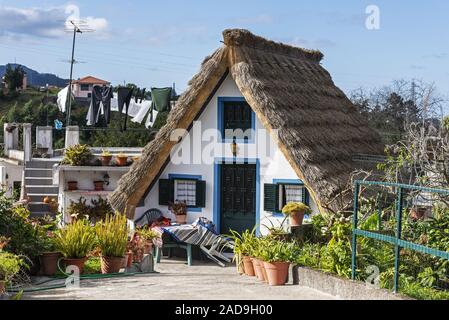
(121, 161)
(99, 185)
(296, 218)
(248, 266)
(72, 185)
(264, 271)
(257, 268)
(181, 219)
(78, 262)
(49, 263)
(2, 287)
(111, 264)
(277, 272)
(105, 160)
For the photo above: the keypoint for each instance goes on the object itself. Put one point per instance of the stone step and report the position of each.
(40, 164)
(38, 207)
(32, 181)
(39, 197)
(43, 189)
(34, 172)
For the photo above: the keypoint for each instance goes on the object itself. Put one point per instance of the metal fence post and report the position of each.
(354, 226)
(397, 248)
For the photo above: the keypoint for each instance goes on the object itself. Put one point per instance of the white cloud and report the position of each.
(45, 23)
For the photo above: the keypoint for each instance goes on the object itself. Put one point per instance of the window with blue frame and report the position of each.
(236, 120)
(281, 192)
(183, 188)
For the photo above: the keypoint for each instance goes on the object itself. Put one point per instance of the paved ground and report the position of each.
(175, 280)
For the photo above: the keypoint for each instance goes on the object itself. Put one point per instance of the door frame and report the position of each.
(217, 184)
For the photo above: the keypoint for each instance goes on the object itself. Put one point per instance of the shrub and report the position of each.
(75, 240)
(293, 207)
(112, 235)
(10, 265)
(77, 155)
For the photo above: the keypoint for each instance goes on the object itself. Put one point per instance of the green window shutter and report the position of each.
(305, 196)
(200, 194)
(166, 191)
(271, 197)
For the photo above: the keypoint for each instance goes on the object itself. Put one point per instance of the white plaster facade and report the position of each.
(273, 165)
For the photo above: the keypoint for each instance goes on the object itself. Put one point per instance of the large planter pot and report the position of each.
(2, 287)
(264, 271)
(111, 264)
(49, 263)
(257, 268)
(78, 262)
(248, 266)
(121, 161)
(181, 219)
(72, 185)
(296, 218)
(277, 272)
(99, 185)
(105, 160)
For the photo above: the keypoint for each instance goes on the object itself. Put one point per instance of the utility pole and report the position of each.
(69, 107)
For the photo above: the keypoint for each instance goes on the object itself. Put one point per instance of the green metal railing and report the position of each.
(396, 240)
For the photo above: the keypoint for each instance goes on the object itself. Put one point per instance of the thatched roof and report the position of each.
(319, 129)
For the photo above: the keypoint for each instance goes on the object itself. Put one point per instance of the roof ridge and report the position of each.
(243, 37)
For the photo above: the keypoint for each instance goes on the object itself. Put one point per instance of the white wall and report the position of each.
(9, 174)
(272, 166)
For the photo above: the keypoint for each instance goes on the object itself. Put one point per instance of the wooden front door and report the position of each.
(238, 197)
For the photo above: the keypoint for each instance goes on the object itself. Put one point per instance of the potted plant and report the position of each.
(10, 265)
(77, 155)
(105, 158)
(296, 212)
(137, 247)
(50, 256)
(79, 209)
(72, 185)
(75, 241)
(179, 209)
(243, 251)
(148, 237)
(276, 256)
(258, 244)
(99, 185)
(121, 159)
(112, 238)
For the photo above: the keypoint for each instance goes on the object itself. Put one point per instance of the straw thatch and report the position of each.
(319, 129)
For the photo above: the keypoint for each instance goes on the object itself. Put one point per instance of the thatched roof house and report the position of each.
(319, 128)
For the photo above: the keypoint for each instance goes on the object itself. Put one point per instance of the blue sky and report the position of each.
(155, 43)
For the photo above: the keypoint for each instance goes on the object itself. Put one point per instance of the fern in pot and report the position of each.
(75, 241)
(112, 238)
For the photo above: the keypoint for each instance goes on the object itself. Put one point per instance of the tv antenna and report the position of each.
(75, 26)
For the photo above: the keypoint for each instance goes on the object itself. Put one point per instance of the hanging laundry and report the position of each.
(62, 99)
(58, 124)
(106, 96)
(124, 96)
(95, 102)
(100, 103)
(161, 100)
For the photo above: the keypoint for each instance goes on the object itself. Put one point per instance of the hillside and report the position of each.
(37, 79)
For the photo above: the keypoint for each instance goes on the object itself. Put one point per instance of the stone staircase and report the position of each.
(39, 184)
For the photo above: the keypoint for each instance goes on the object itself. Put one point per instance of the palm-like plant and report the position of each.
(75, 240)
(112, 235)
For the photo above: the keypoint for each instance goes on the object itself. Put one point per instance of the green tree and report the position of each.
(14, 77)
